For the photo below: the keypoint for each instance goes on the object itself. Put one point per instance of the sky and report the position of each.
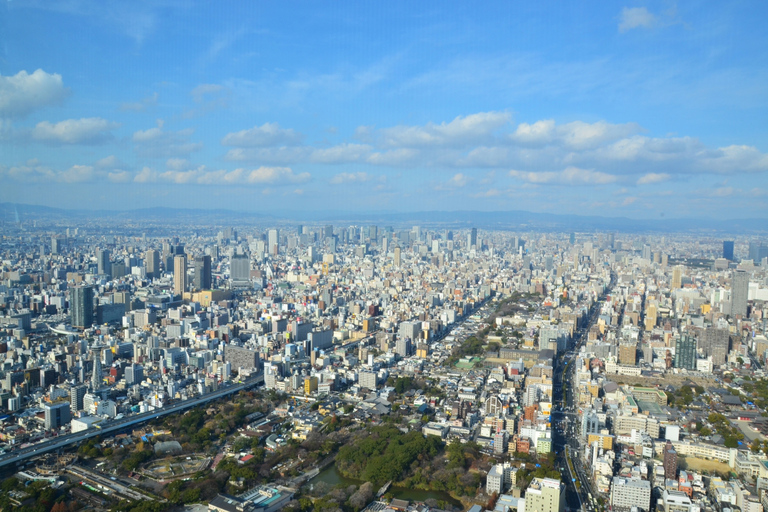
(637, 109)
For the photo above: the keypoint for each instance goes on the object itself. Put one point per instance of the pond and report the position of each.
(332, 477)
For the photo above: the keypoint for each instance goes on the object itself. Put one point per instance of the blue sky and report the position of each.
(638, 109)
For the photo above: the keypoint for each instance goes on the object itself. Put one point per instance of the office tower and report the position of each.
(134, 374)
(646, 252)
(739, 293)
(180, 274)
(715, 343)
(81, 298)
(328, 231)
(628, 353)
(627, 493)
(397, 257)
(54, 245)
(76, 395)
(240, 268)
(728, 250)
(403, 347)
(273, 240)
(203, 273)
(57, 415)
(611, 240)
(102, 259)
(545, 495)
(685, 352)
(241, 357)
(153, 264)
(572, 239)
(677, 277)
(118, 270)
(472, 238)
(754, 251)
(670, 461)
(97, 375)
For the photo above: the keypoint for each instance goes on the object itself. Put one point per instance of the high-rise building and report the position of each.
(685, 352)
(545, 495)
(728, 250)
(398, 260)
(716, 343)
(240, 268)
(627, 493)
(54, 245)
(677, 277)
(134, 374)
(180, 274)
(81, 298)
(628, 353)
(472, 238)
(273, 241)
(739, 293)
(97, 375)
(76, 395)
(203, 278)
(57, 415)
(153, 264)
(102, 260)
(670, 461)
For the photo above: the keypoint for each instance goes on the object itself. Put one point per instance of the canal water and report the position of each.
(332, 477)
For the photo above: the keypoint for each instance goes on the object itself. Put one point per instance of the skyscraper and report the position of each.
(82, 306)
(203, 279)
(739, 293)
(153, 264)
(180, 274)
(728, 250)
(716, 343)
(240, 268)
(397, 257)
(677, 277)
(76, 394)
(670, 461)
(472, 238)
(102, 259)
(97, 375)
(685, 352)
(57, 415)
(273, 239)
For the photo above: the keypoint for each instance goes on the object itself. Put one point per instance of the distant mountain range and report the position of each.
(517, 220)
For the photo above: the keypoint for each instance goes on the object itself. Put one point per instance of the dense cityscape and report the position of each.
(364, 367)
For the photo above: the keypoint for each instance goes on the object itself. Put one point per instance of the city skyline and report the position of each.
(644, 111)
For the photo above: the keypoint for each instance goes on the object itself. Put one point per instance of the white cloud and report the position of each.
(91, 130)
(141, 105)
(568, 176)
(158, 143)
(268, 134)
(23, 92)
(108, 162)
(340, 154)
(628, 201)
(461, 131)
(36, 173)
(178, 164)
(146, 175)
(394, 157)
(351, 177)
(636, 17)
(653, 177)
(458, 180)
(538, 133)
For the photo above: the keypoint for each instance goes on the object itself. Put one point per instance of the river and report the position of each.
(332, 477)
